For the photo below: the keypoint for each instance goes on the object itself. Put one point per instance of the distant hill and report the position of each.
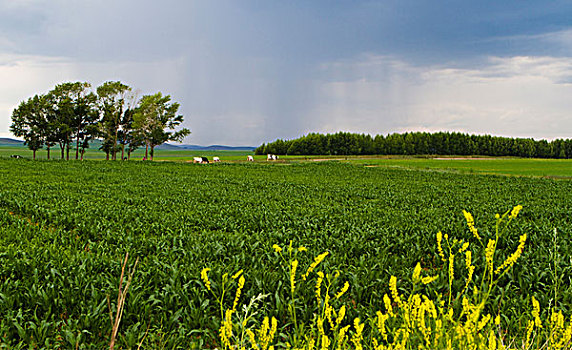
(4, 141)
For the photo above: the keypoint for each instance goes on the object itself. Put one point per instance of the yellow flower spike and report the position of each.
(514, 256)
(492, 341)
(497, 320)
(302, 249)
(381, 318)
(293, 275)
(319, 286)
(416, 273)
(471, 224)
(439, 247)
(343, 290)
(205, 278)
(277, 248)
(341, 315)
(252, 339)
(358, 335)
(429, 279)
(483, 322)
(238, 292)
(341, 336)
(464, 247)
(290, 247)
(316, 262)
(515, 211)
(388, 307)
(536, 312)
(325, 342)
(393, 289)
(529, 328)
(489, 254)
(235, 276)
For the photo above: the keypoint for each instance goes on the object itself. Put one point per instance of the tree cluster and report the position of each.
(418, 143)
(71, 115)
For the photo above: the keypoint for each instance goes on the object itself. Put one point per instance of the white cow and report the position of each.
(216, 159)
(250, 158)
(197, 160)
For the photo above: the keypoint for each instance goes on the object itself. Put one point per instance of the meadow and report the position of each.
(66, 227)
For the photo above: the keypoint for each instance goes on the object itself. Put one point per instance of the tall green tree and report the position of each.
(155, 120)
(116, 101)
(71, 115)
(29, 122)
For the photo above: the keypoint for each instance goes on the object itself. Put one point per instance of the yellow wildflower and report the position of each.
(358, 335)
(293, 275)
(439, 248)
(343, 290)
(464, 247)
(536, 312)
(429, 279)
(471, 224)
(319, 285)
(302, 249)
(238, 292)
(515, 211)
(341, 315)
(489, 254)
(497, 320)
(388, 307)
(316, 262)
(492, 341)
(277, 248)
(514, 256)
(205, 277)
(416, 273)
(235, 276)
(393, 289)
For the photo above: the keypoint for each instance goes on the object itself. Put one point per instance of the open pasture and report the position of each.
(66, 226)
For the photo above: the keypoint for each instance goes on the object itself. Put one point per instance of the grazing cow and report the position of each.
(216, 159)
(271, 157)
(250, 158)
(205, 160)
(16, 156)
(197, 160)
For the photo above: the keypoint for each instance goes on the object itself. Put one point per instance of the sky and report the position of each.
(251, 71)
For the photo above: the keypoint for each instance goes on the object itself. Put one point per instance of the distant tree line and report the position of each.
(418, 143)
(71, 115)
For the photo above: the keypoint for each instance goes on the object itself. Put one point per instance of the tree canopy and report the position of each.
(418, 143)
(72, 113)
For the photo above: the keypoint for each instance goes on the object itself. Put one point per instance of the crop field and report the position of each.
(65, 228)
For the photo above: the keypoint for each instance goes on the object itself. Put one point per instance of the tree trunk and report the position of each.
(128, 153)
(62, 150)
(34, 154)
(122, 151)
(152, 151)
(107, 155)
(77, 146)
(146, 150)
(48, 152)
(68, 151)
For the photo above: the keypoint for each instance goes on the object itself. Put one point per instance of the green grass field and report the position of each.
(65, 227)
(555, 168)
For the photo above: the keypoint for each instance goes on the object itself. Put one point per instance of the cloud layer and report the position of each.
(251, 72)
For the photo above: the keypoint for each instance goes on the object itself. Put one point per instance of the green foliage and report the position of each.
(71, 113)
(418, 143)
(72, 223)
